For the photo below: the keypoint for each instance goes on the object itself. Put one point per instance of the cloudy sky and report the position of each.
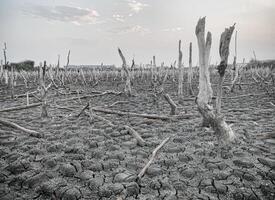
(93, 29)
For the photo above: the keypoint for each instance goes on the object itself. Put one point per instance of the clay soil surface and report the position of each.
(83, 158)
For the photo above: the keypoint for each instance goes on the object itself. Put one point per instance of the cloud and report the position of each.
(131, 29)
(176, 29)
(136, 6)
(118, 17)
(75, 15)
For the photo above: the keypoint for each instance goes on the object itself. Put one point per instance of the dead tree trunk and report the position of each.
(12, 81)
(217, 122)
(43, 90)
(172, 104)
(180, 89)
(5, 64)
(190, 71)
(127, 88)
(205, 90)
(57, 67)
(224, 52)
(66, 67)
(234, 67)
(1, 68)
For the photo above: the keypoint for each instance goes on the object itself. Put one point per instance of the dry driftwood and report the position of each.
(214, 119)
(180, 88)
(152, 116)
(142, 172)
(190, 71)
(90, 96)
(224, 53)
(20, 107)
(118, 102)
(127, 88)
(14, 125)
(171, 103)
(92, 115)
(139, 139)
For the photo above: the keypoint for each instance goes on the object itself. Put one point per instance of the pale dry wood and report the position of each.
(118, 102)
(190, 71)
(172, 104)
(224, 53)
(152, 116)
(136, 135)
(90, 96)
(21, 107)
(127, 89)
(154, 153)
(180, 77)
(214, 119)
(205, 89)
(14, 125)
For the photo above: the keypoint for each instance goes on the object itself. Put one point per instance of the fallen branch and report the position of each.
(14, 125)
(20, 107)
(139, 139)
(142, 172)
(118, 102)
(107, 111)
(171, 103)
(91, 96)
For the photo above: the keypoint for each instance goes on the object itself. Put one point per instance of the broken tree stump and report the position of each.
(215, 120)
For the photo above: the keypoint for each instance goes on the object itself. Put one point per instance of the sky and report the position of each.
(93, 29)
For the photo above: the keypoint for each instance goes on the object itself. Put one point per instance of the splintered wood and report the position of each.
(154, 153)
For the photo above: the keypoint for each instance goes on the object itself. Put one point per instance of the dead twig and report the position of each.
(142, 172)
(21, 107)
(139, 139)
(14, 125)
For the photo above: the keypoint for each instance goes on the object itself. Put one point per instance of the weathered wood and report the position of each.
(136, 135)
(180, 77)
(90, 96)
(127, 88)
(214, 119)
(205, 89)
(172, 104)
(152, 116)
(20, 107)
(224, 53)
(142, 172)
(190, 71)
(14, 125)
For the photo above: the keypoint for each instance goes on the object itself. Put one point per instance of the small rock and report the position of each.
(206, 182)
(124, 177)
(86, 175)
(267, 162)
(105, 191)
(72, 194)
(154, 171)
(116, 188)
(249, 177)
(243, 164)
(132, 189)
(67, 170)
(185, 158)
(96, 167)
(188, 173)
(220, 188)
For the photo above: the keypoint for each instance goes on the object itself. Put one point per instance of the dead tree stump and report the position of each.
(190, 72)
(180, 89)
(127, 88)
(215, 120)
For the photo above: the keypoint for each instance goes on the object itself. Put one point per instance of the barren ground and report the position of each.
(80, 158)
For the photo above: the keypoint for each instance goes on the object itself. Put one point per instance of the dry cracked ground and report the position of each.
(80, 158)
